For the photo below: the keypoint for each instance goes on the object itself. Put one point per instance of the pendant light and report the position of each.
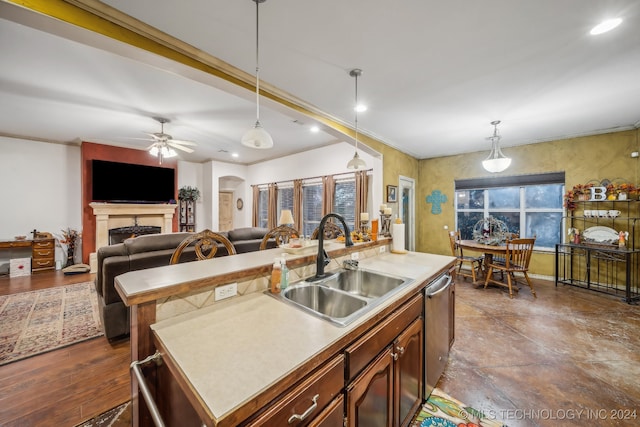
(257, 137)
(496, 162)
(356, 163)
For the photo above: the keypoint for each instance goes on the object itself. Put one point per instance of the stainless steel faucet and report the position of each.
(323, 259)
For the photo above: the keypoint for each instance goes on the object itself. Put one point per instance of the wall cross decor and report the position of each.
(436, 198)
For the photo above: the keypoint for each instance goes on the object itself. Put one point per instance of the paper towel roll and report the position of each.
(397, 232)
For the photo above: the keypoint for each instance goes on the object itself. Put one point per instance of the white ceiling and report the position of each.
(435, 74)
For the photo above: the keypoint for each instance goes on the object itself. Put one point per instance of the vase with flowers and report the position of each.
(579, 192)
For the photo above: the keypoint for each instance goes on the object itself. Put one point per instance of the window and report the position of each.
(263, 208)
(344, 201)
(285, 199)
(311, 207)
(530, 205)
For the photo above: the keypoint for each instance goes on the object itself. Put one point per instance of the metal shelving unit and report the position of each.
(602, 267)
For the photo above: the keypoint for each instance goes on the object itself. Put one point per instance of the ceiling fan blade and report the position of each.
(179, 147)
(178, 141)
(150, 147)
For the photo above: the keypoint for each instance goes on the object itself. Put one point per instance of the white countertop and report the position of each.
(235, 349)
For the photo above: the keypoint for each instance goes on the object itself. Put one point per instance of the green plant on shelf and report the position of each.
(188, 193)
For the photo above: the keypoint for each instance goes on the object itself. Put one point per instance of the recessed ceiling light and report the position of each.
(361, 108)
(235, 155)
(605, 26)
(315, 129)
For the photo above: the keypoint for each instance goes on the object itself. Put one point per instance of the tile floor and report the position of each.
(568, 358)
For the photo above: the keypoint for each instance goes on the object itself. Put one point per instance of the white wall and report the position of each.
(41, 188)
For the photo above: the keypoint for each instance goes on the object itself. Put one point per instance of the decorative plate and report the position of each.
(310, 247)
(600, 234)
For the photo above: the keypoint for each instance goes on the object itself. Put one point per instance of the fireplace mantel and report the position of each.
(112, 215)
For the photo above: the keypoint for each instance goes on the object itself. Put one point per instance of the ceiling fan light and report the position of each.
(154, 150)
(356, 163)
(257, 137)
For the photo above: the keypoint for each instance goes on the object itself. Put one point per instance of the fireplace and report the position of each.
(120, 234)
(122, 215)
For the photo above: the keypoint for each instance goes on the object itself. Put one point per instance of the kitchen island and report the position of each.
(233, 360)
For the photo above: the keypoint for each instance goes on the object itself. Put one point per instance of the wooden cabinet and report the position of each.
(301, 405)
(187, 215)
(43, 255)
(388, 390)
(408, 373)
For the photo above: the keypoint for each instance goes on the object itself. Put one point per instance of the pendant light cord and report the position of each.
(257, 62)
(356, 108)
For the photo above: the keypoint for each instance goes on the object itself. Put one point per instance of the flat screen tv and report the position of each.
(117, 182)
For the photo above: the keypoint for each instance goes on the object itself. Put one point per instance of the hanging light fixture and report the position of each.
(257, 137)
(356, 163)
(496, 162)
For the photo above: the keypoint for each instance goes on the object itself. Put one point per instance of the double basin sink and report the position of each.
(344, 296)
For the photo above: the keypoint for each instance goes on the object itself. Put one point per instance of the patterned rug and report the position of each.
(120, 416)
(39, 321)
(442, 410)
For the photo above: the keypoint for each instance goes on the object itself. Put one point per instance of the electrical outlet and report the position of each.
(355, 255)
(226, 291)
(383, 249)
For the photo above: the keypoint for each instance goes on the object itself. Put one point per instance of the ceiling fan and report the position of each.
(164, 144)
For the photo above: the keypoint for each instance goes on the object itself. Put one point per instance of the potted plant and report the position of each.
(188, 193)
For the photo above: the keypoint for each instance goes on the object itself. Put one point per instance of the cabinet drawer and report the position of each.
(43, 244)
(42, 253)
(325, 383)
(363, 351)
(42, 263)
(332, 416)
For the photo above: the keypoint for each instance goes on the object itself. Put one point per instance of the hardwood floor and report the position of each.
(64, 387)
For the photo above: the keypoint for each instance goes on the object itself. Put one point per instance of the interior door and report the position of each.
(225, 211)
(406, 206)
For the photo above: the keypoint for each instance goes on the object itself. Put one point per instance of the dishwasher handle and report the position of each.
(440, 286)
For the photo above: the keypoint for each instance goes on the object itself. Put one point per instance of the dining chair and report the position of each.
(205, 245)
(517, 257)
(280, 234)
(475, 262)
(331, 231)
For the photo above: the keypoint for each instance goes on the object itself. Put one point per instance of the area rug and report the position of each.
(116, 417)
(39, 321)
(442, 410)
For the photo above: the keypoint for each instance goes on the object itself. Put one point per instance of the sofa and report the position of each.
(147, 251)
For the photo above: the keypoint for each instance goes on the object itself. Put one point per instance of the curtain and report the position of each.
(362, 192)
(256, 206)
(297, 205)
(328, 189)
(272, 221)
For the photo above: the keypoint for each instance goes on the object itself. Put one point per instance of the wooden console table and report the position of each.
(43, 252)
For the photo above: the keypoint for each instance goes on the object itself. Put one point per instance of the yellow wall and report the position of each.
(582, 159)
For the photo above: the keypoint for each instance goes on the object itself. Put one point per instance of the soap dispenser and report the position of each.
(284, 280)
(276, 276)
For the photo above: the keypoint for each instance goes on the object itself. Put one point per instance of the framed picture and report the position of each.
(392, 194)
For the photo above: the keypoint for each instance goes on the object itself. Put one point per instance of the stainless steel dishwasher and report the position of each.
(437, 324)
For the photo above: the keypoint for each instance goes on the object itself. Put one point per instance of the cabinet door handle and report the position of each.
(295, 417)
(400, 350)
(394, 356)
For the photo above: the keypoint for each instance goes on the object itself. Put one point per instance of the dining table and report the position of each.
(488, 250)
